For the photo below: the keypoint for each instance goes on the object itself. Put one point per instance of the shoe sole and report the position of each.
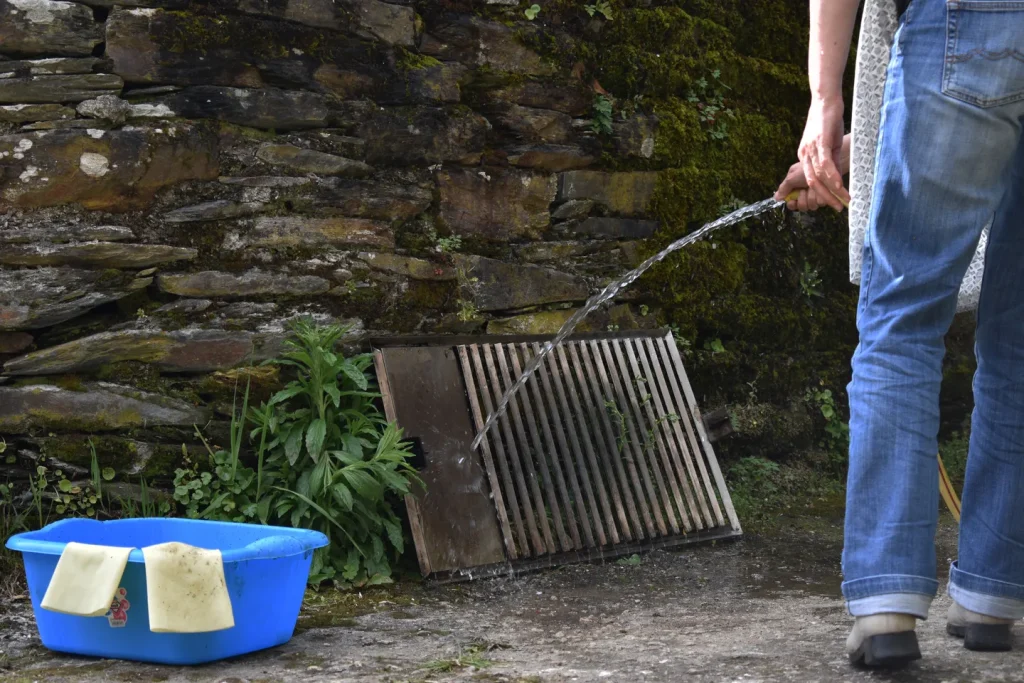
(887, 651)
(983, 637)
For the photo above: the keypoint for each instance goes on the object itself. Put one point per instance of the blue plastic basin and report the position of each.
(266, 569)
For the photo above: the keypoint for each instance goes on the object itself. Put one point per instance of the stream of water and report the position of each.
(610, 292)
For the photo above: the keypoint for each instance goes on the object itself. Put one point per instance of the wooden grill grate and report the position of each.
(604, 447)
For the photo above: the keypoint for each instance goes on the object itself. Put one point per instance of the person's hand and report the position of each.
(819, 150)
(809, 199)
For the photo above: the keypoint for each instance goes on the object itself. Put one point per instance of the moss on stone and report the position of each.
(411, 61)
(120, 454)
(140, 375)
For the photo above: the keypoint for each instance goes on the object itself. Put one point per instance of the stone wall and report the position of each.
(179, 178)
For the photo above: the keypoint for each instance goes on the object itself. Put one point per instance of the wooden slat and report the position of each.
(677, 482)
(412, 506)
(588, 447)
(637, 461)
(531, 471)
(488, 457)
(688, 453)
(536, 411)
(687, 416)
(499, 449)
(603, 450)
(569, 457)
(639, 515)
(635, 423)
(716, 471)
(666, 431)
(539, 547)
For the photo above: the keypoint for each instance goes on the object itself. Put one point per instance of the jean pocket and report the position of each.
(984, 62)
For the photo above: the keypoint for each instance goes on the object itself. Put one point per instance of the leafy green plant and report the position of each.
(755, 473)
(954, 452)
(37, 485)
(449, 244)
(620, 422)
(631, 561)
(472, 656)
(11, 519)
(216, 490)
(468, 311)
(146, 506)
(96, 475)
(73, 500)
(220, 488)
(837, 432)
(730, 205)
(602, 110)
(650, 435)
(466, 308)
(810, 282)
(532, 12)
(708, 96)
(602, 7)
(715, 346)
(329, 460)
(763, 490)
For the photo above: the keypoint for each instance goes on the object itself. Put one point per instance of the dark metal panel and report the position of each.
(457, 518)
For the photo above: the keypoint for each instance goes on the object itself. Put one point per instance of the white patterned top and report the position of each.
(878, 29)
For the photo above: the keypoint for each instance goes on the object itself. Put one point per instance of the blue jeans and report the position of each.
(950, 162)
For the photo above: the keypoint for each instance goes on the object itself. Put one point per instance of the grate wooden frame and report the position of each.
(604, 447)
(602, 453)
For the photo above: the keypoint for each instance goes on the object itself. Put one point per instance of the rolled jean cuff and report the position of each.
(916, 604)
(986, 596)
(886, 584)
(890, 593)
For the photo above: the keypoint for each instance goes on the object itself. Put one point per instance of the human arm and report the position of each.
(807, 199)
(832, 23)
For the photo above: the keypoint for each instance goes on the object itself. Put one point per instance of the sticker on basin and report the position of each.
(118, 614)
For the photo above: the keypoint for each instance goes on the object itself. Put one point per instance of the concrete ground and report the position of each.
(766, 608)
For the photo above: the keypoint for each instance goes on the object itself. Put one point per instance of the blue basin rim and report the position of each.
(279, 541)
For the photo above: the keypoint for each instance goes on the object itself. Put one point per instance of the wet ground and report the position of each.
(766, 608)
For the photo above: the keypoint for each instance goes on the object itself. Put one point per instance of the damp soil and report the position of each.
(765, 608)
